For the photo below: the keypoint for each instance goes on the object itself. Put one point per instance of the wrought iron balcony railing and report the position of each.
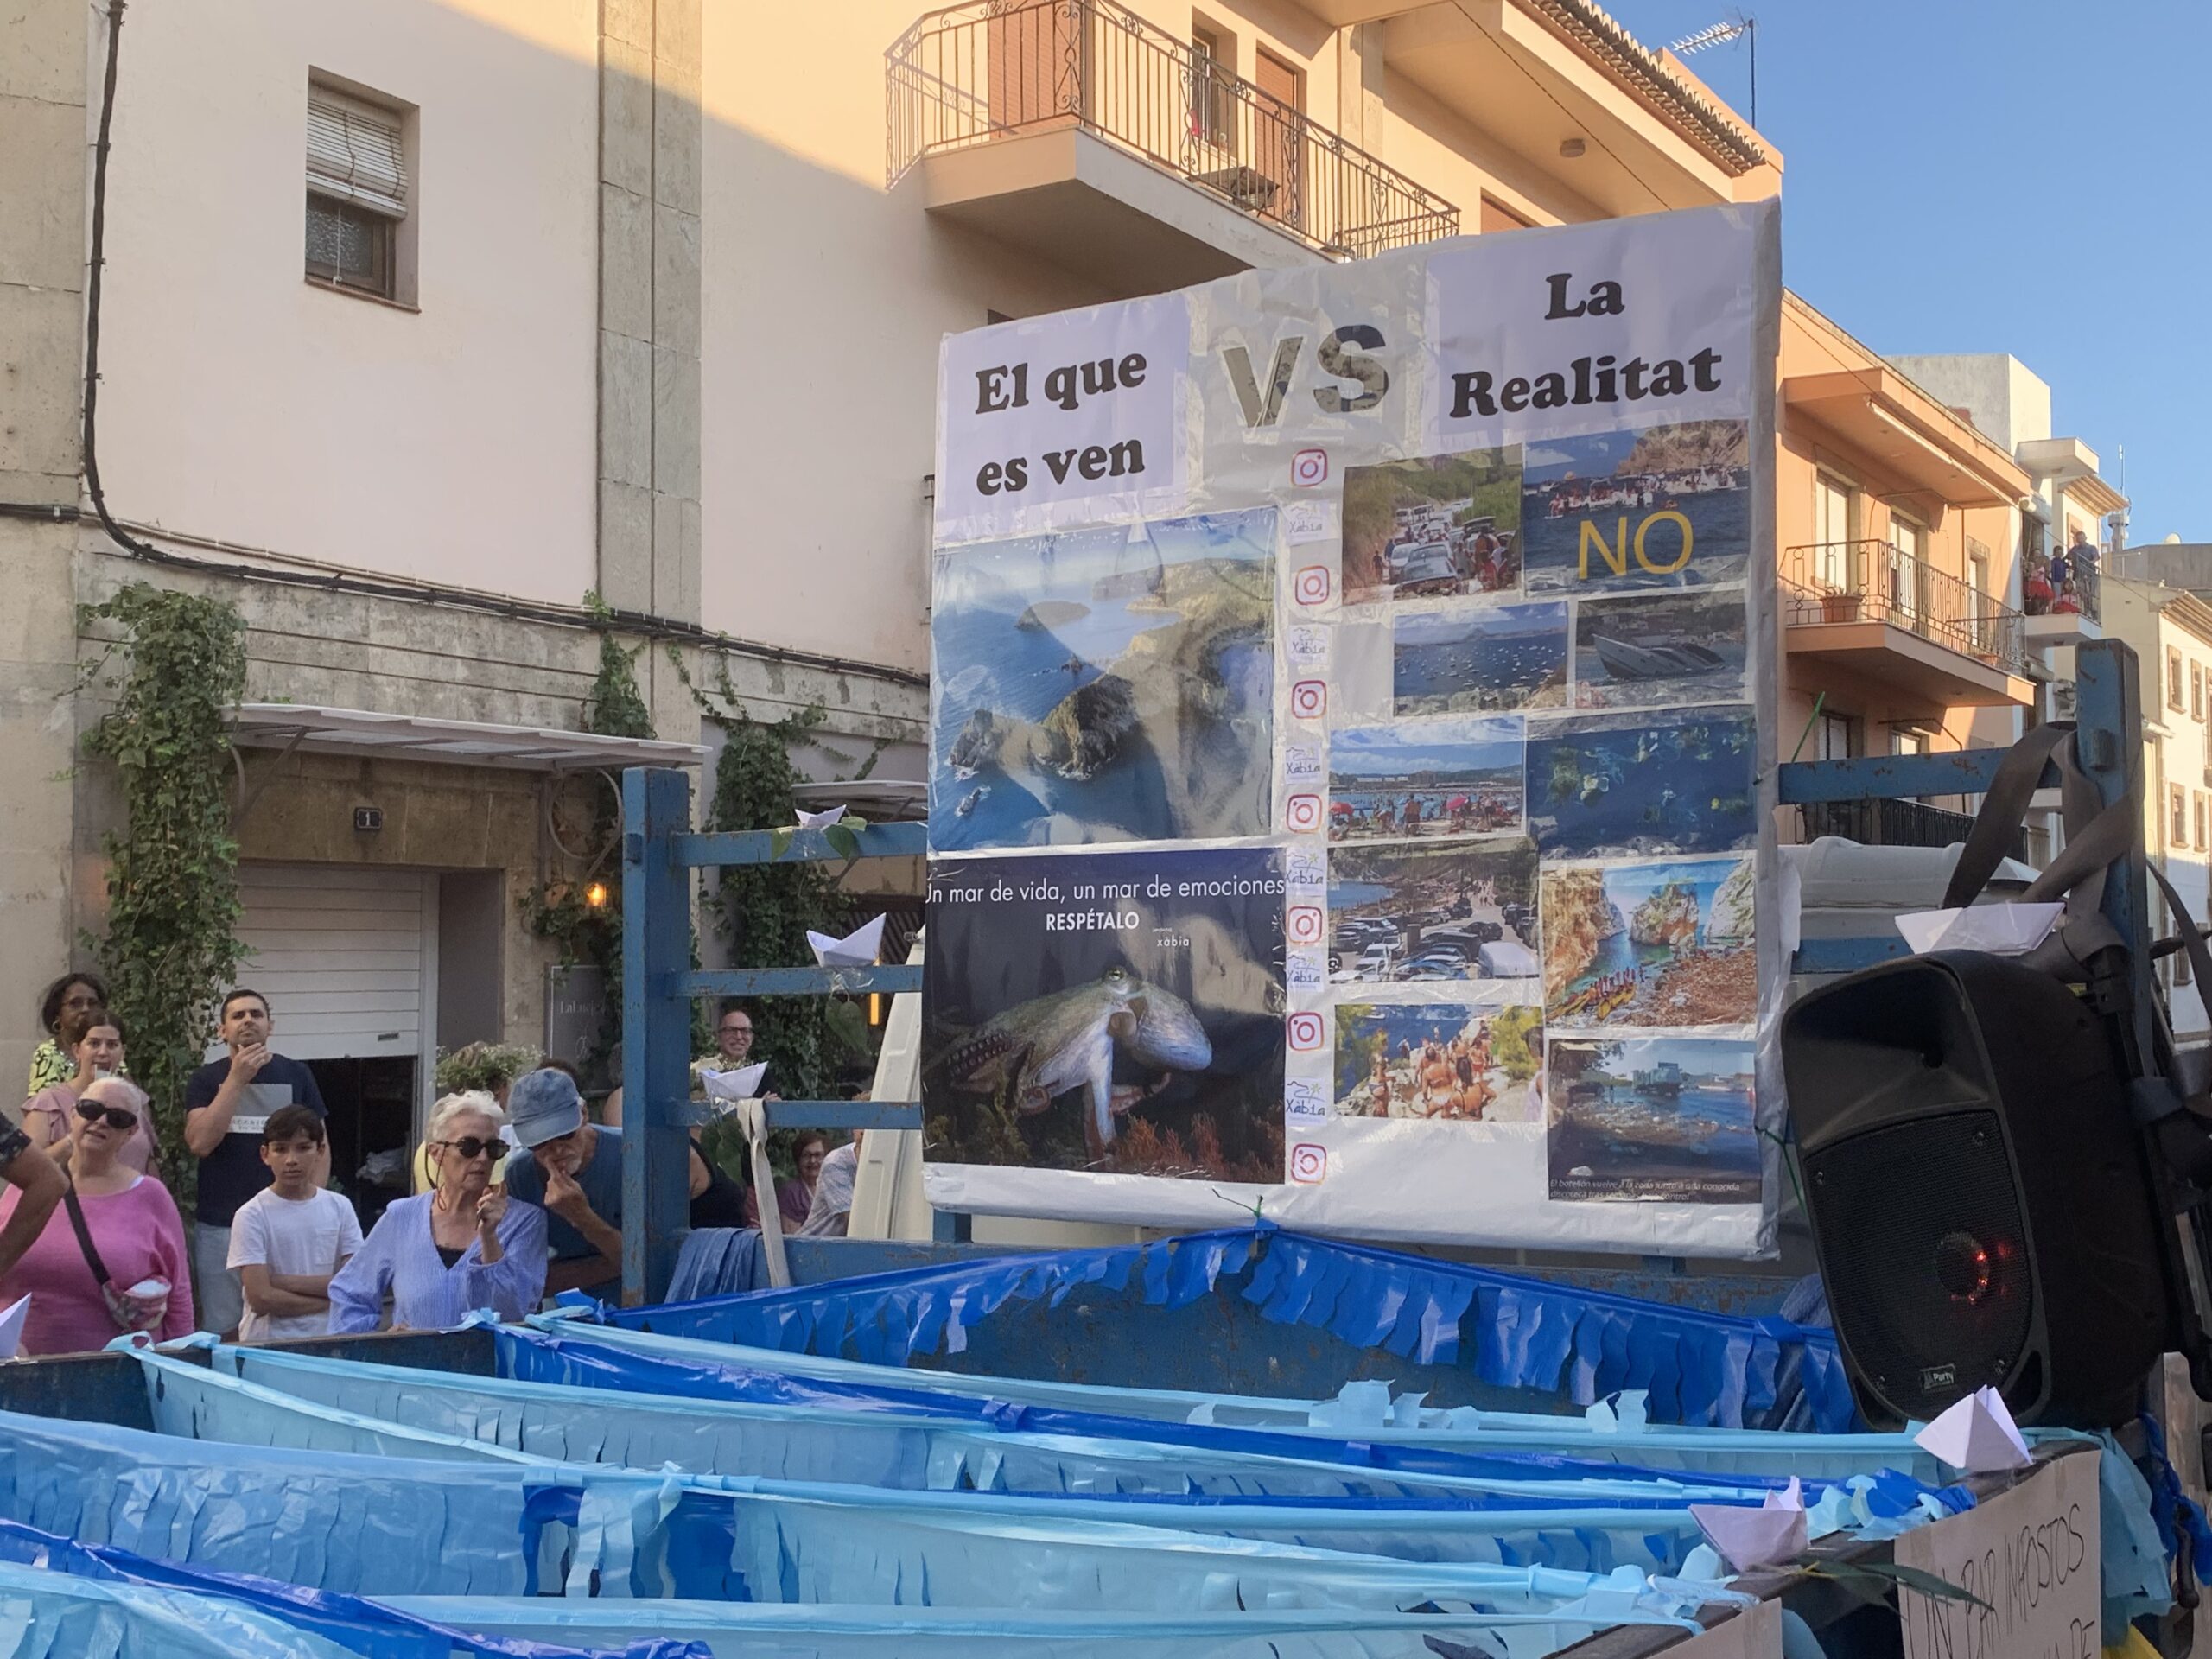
(1873, 581)
(1902, 823)
(2050, 589)
(990, 69)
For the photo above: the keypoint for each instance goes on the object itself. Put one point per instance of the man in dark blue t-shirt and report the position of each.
(574, 1168)
(225, 1104)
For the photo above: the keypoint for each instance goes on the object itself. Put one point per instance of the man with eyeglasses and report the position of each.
(227, 1103)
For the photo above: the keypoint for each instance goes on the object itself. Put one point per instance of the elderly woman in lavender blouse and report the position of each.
(460, 1247)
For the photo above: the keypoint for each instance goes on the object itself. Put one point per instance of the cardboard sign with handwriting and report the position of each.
(2030, 1553)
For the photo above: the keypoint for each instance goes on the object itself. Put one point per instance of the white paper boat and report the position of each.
(1977, 1434)
(858, 949)
(1775, 1531)
(820, 820)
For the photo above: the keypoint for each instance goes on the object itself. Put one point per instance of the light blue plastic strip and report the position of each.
(46, 1616)
(756, 1632)
(1651, 1530)
(438, 1628)
(1380, 1420)
(331, 1520)
(834, 1543)
(703, 1437)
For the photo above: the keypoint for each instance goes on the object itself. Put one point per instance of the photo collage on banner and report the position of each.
(1345, 790)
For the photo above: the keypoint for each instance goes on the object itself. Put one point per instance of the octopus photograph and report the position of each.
(1119, 1013)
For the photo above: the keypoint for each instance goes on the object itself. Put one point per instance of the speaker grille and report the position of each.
(1925, 1257)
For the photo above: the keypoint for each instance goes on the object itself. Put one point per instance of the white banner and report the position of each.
(1439, 626)
(1068, 419)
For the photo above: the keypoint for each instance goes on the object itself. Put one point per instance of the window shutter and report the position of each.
(354, 153)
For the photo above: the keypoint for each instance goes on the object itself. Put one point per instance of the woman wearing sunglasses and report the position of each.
(461, 1246)
(112, 1257)
(93, 1039)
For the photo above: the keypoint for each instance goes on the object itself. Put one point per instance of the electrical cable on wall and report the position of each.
(638, 622)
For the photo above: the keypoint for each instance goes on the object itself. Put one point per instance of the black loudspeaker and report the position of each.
(1978, 1193)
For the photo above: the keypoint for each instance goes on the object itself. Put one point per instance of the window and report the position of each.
(1831, 534)
(2178, 798)
(1839, 737)
(1908, 558)
(1908, 742)
(1279, 137)
(2196, 690)
(357, 193)
(2197, 801)
(1213, 84)
(1496, 216)
(1984, 619)
(2173, 679)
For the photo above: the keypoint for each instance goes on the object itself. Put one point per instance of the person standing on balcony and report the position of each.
(2081, 557)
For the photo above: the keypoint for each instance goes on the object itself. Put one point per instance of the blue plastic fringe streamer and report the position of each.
(1572, 1344)
(351, 1623)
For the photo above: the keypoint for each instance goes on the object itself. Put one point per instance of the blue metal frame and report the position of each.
(661, 850)
(2108, 716)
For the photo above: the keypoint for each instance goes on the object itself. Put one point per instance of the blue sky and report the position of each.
(1447, 746)
(2024, 177)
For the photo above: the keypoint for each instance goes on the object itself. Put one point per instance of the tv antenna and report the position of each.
(1738, 27)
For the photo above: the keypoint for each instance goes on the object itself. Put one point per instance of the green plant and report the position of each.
(583, 916)
(764, 910)
(170, 949)
(487, 1066)
(614, 707)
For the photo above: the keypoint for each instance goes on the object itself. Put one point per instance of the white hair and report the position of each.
(471, 1102)
(133, 1095)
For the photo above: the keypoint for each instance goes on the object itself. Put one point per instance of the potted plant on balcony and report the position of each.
(1839, 607)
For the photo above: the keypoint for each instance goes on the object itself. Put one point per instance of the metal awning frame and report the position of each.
(319, 730)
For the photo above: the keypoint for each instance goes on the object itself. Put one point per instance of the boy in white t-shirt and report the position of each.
(289, 1239)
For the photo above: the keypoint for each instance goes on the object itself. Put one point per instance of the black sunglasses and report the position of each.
(118, 1117)
(469, 1147)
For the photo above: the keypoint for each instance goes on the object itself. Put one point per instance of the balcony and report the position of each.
(1100, 142)
(1865, 607)
(1899, 823)
(2063, 611)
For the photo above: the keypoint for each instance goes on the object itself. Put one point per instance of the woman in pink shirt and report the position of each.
(130, 1223)
(93, 1039)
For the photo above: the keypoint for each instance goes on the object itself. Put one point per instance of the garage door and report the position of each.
(344, 955)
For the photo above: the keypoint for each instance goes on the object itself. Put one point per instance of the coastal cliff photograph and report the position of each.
(1643, 786)
(1104, 685)
(1653, 1119)
(1667, 507)
(1440, 525)
(1669, 943)
(1121, 1012)
(1650, 650)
